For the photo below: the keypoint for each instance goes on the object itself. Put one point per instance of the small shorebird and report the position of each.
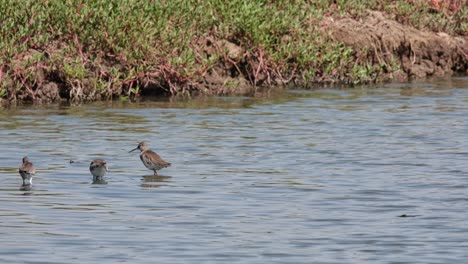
(27, 170)
(98, 169)
(150, 159)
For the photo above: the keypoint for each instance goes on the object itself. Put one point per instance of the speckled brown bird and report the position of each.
(98, 168)
(150, 159)
(27, 171)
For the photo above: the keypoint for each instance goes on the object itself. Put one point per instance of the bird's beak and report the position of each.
(105, 166)
(133, 149)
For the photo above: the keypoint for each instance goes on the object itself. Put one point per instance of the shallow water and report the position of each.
(362, 175)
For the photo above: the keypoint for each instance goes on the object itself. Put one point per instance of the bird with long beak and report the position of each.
(150, 159)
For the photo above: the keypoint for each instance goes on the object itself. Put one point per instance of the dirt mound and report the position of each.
(380, 40)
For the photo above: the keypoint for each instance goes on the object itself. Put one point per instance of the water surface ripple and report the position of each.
(362, 175)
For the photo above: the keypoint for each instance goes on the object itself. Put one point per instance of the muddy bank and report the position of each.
(381, 50)
(379, 40)
(388, 49)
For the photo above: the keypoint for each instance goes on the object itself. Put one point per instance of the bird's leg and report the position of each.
(155, 173)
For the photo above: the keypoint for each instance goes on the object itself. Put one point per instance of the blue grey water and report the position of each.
(357, 175)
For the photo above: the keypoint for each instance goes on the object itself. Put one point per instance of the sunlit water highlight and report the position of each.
(363, 175)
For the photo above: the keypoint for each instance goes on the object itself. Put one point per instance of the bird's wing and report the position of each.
(153, 157)
(93, 166)
(27, 168)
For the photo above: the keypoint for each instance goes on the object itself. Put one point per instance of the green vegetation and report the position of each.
(127, 47)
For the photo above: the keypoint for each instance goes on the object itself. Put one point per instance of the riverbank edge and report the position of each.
(381, 50)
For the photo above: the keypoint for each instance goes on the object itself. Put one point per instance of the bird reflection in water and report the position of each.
(27, 189)
(154, 181)
(99, 180)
